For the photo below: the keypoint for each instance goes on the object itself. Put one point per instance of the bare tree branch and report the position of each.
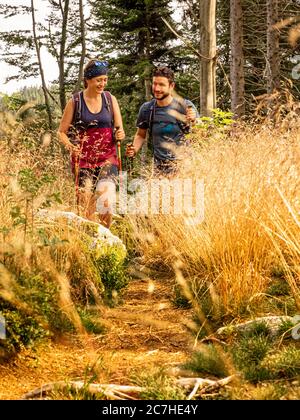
(187, 43)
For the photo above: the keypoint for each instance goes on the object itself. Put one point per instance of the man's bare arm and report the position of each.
(138, 141)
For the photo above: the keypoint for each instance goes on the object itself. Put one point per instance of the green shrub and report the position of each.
(208, 361)
(179, 300)
(111, 264)
(90, 320)
(41, 294)
(158, 386)
(220, 119)
(21, 330)
(285, 329)
(89, 266)
(251, 350)
(279, 287)
(283, 364)
(258, 329)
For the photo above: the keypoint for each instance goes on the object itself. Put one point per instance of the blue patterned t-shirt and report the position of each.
(165, 131)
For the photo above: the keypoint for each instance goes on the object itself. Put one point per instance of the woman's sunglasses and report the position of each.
(101, 63)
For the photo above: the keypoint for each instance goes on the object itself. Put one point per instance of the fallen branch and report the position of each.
(111, 391)
(125, 392)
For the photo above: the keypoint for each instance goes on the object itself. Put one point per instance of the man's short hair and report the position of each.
(164, 71)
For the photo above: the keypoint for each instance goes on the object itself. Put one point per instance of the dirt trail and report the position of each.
(145, 332)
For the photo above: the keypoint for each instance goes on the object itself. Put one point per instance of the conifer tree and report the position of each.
(134, 37)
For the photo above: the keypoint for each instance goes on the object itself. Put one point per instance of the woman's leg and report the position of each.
(86, 196)
(105, 201)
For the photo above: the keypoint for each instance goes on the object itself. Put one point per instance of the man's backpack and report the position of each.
(77, 123)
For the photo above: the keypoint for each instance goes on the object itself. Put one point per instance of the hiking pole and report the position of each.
(76, 173)
(129, 159)
(119, 153)
(189, 122)
(77, 183)
(78, 144)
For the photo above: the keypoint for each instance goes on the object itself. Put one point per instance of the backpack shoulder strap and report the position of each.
(151, 115)
(77, 111)
(109, 104)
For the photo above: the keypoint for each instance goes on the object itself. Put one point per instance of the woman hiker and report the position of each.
(90, 127)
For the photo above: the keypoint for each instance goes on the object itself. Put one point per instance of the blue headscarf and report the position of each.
(98, 68)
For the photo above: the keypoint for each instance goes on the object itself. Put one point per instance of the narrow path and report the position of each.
(144, 333)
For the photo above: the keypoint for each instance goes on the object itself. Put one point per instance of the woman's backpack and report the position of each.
(77, 124)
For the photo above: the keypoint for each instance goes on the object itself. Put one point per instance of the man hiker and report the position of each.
(166, 119)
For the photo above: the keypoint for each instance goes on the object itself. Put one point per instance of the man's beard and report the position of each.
(163, 96)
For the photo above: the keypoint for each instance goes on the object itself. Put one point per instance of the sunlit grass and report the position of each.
(251, 203)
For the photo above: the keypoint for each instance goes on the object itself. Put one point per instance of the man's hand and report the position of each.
(130, 150)
(191, 114)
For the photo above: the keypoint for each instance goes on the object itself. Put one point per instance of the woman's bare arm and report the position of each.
(118, 123)
(65, 124)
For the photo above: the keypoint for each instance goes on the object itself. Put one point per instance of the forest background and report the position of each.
(230, 49)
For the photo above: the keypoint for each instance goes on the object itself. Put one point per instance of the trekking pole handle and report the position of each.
(119, 150)
(188, 108)
(115, 130)
(130, 148)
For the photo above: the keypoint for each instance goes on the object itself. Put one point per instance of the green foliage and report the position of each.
(279, 287)
(18, 217)
(32, 183)
(257, 357)
(12, 102)
(37, 288)
(111, 265)
(220, 120)
(277, 271)
(283, 364)
(270, 392)
(21, 330)
(179, 300)
(123, 229)
(285, 304)
(137, 35)
(90, 320)
(158, 386)
(207, 361)
(258, 329)
(285, 329)
(41, 294)
(251, 350)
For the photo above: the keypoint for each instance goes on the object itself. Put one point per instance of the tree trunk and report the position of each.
(237, 59)
(61, 63)
(147, 53)
(146, 75)
(83, 47)
(208, 60)
(38, 53)
(273, 58)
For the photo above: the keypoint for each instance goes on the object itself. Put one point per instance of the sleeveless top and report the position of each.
(97, 147)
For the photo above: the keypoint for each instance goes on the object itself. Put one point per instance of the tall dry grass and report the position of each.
(251, 222)
(40, 262)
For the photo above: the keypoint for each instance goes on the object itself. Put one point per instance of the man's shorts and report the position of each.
(165, 167)
(107, 172)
